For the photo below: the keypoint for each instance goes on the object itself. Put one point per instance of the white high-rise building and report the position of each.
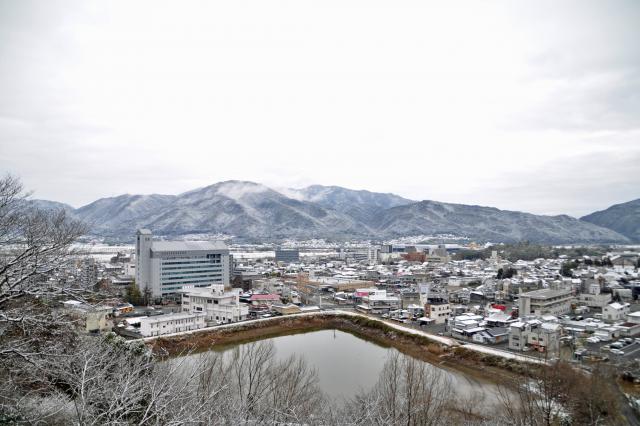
(167, 267)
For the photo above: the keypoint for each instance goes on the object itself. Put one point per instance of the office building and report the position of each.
(168, 267)
(287, 256)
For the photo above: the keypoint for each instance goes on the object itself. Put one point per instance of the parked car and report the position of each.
(616, 345)
(617, 352)
(603, 337)
(605, 348)
(628, 340)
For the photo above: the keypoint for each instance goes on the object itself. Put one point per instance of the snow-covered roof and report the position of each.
(163, 246)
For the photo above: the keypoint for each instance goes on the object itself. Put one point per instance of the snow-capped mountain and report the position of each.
(253, 211)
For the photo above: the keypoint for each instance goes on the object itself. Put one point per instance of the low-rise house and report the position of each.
(264, 301)
(378, 302)
(536, 335)
(615, 311)
(599, 300)
(171, 323)
(286, 309)
(633, 317)
(90, 319)
(466, 325)
(629, 329)
(491, 336)
(439, 312)
(500, 319)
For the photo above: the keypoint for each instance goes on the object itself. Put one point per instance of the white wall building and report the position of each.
(167, 267)
(534, 334)
(217, 305)
(615, 311)
(378, 302)
(439, 312)
(170, 323)
(543, 302)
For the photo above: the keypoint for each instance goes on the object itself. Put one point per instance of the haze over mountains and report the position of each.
(253, 211)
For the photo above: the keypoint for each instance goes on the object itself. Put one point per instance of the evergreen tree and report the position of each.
(133, 294)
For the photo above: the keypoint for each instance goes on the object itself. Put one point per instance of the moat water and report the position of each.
(347, 364)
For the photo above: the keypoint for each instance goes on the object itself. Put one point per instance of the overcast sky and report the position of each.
(527, 106)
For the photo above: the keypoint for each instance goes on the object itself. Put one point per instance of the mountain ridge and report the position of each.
(623, 218)
(254, 211)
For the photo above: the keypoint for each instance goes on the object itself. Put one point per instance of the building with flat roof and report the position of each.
(287, 255)
(545, 301)
(534, 334)
(438, 311)
(168, 267)
(218, 306)
(170, 323)
(378, 302)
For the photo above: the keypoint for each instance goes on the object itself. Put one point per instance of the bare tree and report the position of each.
(409, 392)
(294, 394)
(556, 393)
(33, 244)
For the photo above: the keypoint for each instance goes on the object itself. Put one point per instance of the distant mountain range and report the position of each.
(623, 218)
(253, 211)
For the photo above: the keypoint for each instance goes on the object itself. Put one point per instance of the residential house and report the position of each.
(536, 335)
(615, 311)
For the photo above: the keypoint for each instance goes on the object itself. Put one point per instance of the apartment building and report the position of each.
(544, 302)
